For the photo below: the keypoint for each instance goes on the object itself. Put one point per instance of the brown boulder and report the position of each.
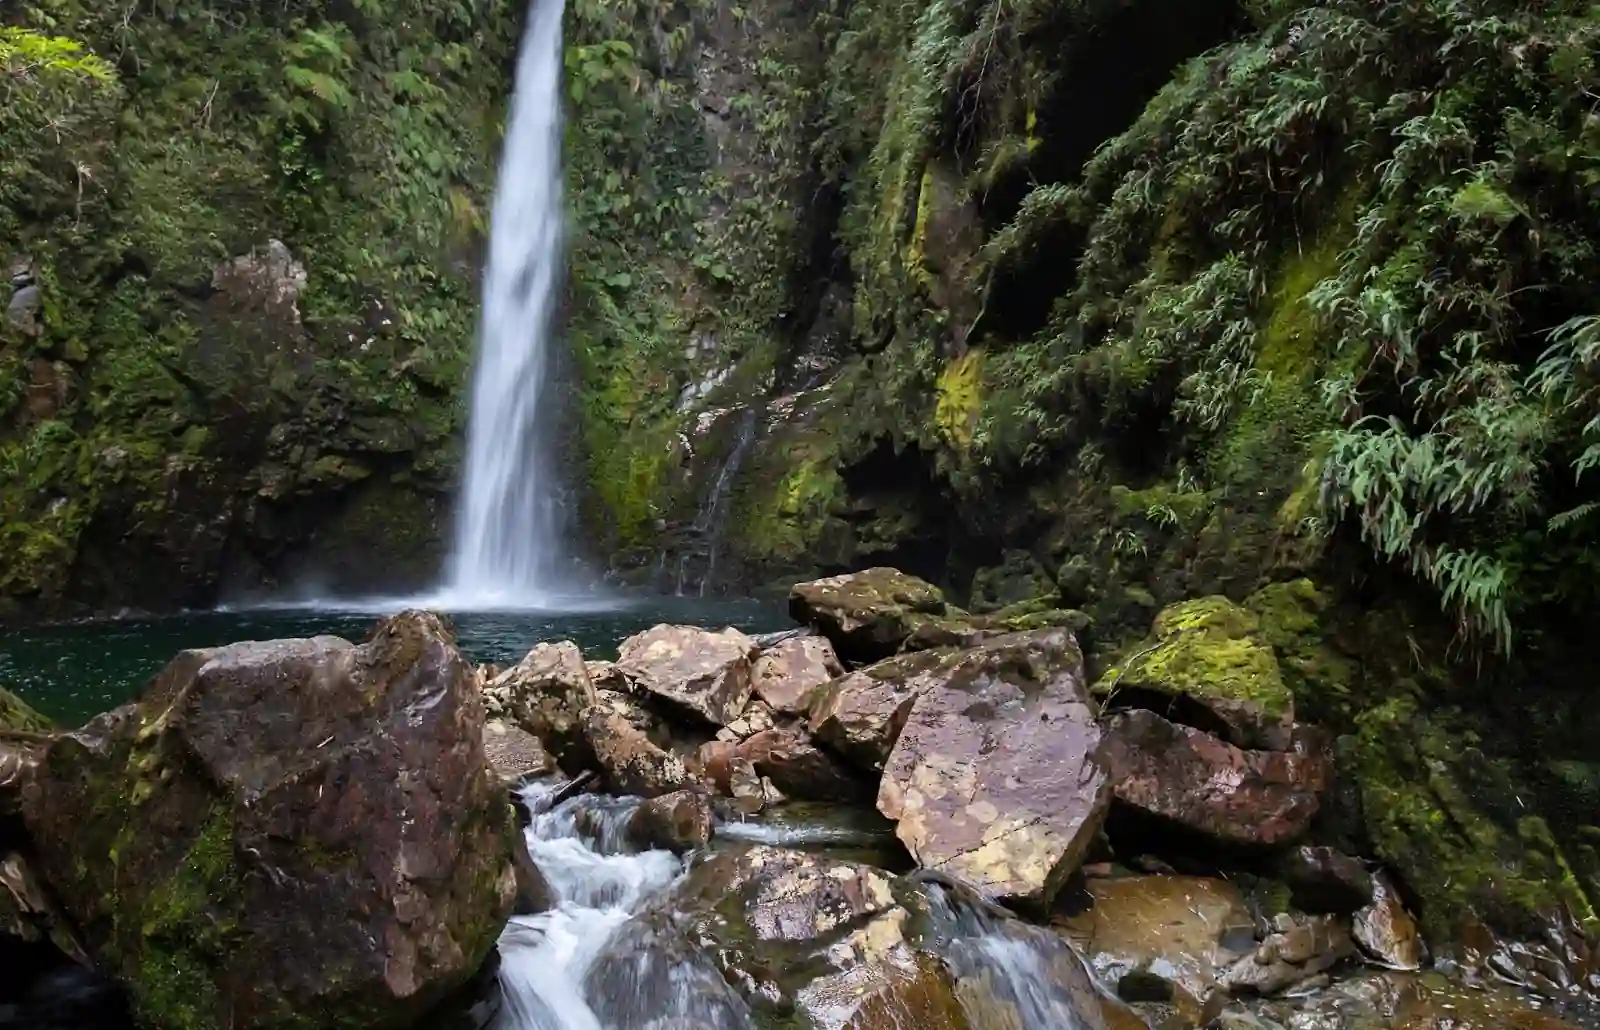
(680, 822)
(897, 989)
(1386, 931)
(1298, 948)
(1187, 931)
(546, 694)
(997, 777)
(705, 672)
(1208, 785)
(789, 895)
(606, 676)
(631, 763)
(285, 827)
(860, 715)
(789, 671)
(514, 753)
(799, 768)
(867, 615)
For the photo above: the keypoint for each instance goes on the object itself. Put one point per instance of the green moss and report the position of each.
(1294, 618)
(785, 523)
(960, 393)
(1205, 648)
(17, 714)
(1459, 856)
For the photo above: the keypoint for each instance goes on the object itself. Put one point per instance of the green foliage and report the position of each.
(1357, 242)
(361, 135)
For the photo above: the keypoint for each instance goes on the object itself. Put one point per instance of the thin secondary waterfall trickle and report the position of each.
(508, 523)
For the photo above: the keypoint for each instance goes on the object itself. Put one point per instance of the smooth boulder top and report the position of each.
(283, 827)
(998, 776)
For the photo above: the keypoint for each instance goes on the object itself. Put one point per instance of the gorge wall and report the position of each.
(1117, 303)
(1108, 302)
(242, 242)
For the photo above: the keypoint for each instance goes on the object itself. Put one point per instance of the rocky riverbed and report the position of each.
(895, 815)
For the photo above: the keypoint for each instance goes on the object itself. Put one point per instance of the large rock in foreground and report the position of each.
(704, 671)
(285, 830)
(997, 777)
(867, 615)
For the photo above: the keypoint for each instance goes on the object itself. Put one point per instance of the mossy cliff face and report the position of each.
(1128, 302)
(242, 292)
(1263, 290)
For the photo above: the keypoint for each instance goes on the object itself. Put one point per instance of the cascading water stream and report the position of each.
(508, 524)
(571, 968)
(613, 951)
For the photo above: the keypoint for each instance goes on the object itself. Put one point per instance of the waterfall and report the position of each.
(508, 522)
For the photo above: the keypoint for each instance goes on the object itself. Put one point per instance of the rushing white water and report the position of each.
(589, 963)
(1026, 966)
(508, 524)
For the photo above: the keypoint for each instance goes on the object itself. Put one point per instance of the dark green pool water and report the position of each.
(74, 672)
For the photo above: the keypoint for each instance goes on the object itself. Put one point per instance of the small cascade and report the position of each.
(711, 520)
(1026, 967)
(594, 960)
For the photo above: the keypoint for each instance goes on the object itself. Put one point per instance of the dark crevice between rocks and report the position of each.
(1134, 833)
(1176, 708)
(43, 989)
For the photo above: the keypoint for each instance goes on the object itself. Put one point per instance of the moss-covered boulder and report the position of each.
(1451, 820)
(285, 830)
(867, 615)
(1207, 663)
(17, 715)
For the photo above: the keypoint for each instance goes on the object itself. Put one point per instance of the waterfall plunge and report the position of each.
(508, 524)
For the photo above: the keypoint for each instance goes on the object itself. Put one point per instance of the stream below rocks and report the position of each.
(616, 949)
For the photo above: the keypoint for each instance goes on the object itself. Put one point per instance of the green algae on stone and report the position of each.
(1208, 653)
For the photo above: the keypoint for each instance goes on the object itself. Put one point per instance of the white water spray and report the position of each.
(508, 524)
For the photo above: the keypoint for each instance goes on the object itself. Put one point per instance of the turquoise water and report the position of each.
(74, 672)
